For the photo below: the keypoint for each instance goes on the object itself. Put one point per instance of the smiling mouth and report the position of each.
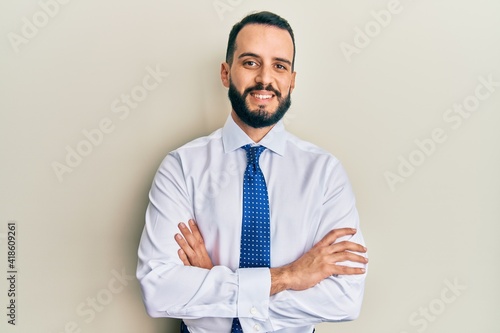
(262, 97)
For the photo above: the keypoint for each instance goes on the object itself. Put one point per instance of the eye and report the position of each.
(281, 67)
(250, 63)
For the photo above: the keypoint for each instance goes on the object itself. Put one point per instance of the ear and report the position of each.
(224, 74)
(292, 82)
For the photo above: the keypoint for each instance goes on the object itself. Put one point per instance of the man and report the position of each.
(308, 228)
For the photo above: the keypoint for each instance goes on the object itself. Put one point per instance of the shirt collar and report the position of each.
(233, 137)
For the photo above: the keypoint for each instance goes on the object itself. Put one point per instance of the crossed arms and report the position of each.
(311, 268)
(194, 275)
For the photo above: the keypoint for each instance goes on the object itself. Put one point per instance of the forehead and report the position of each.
(265, 41)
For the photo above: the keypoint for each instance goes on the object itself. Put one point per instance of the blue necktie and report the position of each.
(255, 249)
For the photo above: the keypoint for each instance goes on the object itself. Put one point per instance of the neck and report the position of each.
(256, 134)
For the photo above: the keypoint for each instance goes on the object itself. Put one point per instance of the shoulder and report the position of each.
(193, 151)
(318, 165)
(308, 150)
(198, 145)
(201, 142)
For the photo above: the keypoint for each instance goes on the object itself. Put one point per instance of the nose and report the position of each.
(264, 76)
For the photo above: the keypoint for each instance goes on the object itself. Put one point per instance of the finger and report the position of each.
(188, 235)
(349, 256)
(195, 231)
(183, 257)
(334, 234)
(348, 246)
(194, 238)
(346, 270)
(188, 251)
(199, 246)
(180, 241)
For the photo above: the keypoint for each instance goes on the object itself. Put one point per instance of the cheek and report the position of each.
(285, 85)
(240, 80)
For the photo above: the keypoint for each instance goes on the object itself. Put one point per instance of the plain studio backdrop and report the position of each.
(94, 94)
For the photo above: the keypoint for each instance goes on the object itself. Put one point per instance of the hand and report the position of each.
(319, 263)
(193, 251)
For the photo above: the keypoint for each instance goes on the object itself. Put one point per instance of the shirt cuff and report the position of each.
(253, 299)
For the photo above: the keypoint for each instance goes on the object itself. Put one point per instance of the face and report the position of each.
(260, 78)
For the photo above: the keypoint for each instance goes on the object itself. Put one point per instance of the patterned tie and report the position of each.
(255, 249)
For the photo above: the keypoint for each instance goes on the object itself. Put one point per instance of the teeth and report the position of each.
(263, 96)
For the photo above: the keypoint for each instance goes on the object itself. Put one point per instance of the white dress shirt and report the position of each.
(309, 195)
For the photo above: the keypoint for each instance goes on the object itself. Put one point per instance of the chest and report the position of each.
(295, 202)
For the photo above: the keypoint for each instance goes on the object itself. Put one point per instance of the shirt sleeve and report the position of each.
(337, 298)
(171, 289)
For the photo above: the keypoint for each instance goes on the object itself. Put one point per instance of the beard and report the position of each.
(260, 117)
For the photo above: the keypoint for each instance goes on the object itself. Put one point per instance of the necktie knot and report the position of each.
(253, 153)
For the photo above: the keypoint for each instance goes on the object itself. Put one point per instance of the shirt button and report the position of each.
(253, 311)
(256, 328)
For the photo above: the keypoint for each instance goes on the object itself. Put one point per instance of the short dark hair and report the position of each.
(264, 18)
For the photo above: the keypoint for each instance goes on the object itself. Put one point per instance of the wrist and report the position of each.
(280, 279)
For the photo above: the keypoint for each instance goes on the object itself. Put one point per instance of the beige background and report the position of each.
(438, 228)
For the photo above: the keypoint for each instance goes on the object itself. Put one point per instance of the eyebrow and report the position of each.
(250, 54)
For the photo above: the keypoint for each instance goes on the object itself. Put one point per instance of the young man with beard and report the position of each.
(306, 261)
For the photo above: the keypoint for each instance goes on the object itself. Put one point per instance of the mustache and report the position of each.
(260, 86)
